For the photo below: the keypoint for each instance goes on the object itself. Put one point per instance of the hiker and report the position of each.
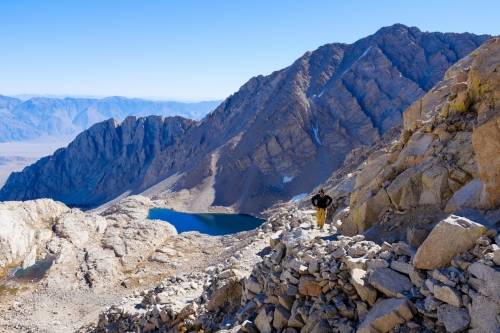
(321, 201)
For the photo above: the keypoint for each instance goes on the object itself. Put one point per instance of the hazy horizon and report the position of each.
(27, 96)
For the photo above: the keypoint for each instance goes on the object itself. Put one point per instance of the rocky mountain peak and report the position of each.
(296, 124)
(108, 148)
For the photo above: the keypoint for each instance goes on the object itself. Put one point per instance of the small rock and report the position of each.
(448, 295)
(322, 327)
(385, 315)
(309, 287)
(364, 290)
(280, 319)
(402, 267)
(376, 263)
(454, 319)
(253, 285)
(389, 282)
(262, 321)
(248, 327)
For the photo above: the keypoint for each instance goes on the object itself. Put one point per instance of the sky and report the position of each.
(193, 50)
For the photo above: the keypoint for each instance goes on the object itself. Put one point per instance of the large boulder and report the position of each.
(434, 185)
(21, 227)
(449, 237)
(132, 208)
(404, 191)
(485, 92)
(468, 195)
(131, 241)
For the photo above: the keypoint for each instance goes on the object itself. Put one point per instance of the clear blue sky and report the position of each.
(193, 49)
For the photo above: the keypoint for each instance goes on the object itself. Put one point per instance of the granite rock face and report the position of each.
(444, 159)
(20, 221)
(278, 136)
(92, 250)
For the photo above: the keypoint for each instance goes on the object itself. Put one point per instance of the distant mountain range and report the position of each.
(44, 116)
(278, 136)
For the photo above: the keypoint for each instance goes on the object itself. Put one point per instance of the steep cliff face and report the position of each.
(100, 163)
(446, 159)
(279, 135)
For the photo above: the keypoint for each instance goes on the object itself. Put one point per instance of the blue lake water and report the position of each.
(214, 224)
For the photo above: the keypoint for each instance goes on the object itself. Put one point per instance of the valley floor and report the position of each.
(15, 156)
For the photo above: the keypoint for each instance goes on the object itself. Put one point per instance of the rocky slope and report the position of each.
(285, 276)
(278, 136)
(59, 267)
(310, 282)
(43, 116)
(438, 272)
(444, 161)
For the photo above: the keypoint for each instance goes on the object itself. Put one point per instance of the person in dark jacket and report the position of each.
(321, 201)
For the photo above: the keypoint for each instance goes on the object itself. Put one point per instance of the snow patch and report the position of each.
(364, 53)
(316, 135)
(287, 179)
(299, 197)
(354, 63)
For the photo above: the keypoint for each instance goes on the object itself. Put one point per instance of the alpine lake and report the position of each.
(214, 224)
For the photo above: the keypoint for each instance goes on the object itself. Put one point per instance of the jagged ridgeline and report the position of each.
(279, 136)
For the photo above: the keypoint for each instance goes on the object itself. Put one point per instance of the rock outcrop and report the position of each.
(90, 249)
(444, 160)
(309, 281)
(24, 225)
(278, 136)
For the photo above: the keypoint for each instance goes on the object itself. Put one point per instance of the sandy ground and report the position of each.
(16, 155)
